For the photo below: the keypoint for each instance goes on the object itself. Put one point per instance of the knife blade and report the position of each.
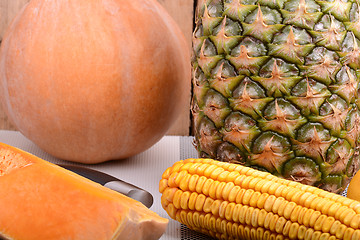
(113, 183)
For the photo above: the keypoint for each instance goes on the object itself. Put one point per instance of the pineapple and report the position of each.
(275, 87)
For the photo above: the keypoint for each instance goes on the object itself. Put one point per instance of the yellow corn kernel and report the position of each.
(333, 209)
(222, 225)
(176, 166)
(236, 213)
(192, 182)
(229, 211)
(179, 177)
(219, 190)
(313, 218)
(355, 222)
(200, 169)
(319, 223)
(254, 217)
(209, 170)
(248, 215)
(232, 176)
(348, 233)
(324, 236)
(186, 166)
(242, 214)
(194, 168)
(303, 198)
(227, 189)
(266, 186)
(300, 218)
(267, 220)
(171, 210)
(254, 199)
(273, 187)
(323, 203)
(345, 201)
(316, 235)
(247, 196)
(233, 193)
(245, 182)
(356, 234)
(288, 192)
(171, 180)
(316, 203)
(176, 199)
(309, 200)
(260, 233)
(282, 207)
(348, 216)
(286, 230)
(261, 200)
(240, 195)
(199, 203)
(213, 188)
(340, 231)
(190, 218)
(273, 222)
(223, 176)
(215, 206)
(280, 225)
(296, 196)
(207, 205)
(200, 184)
(214, 172)
(326, 206)
(269, 203)
(207, 186)
(261, 217)
(277, 202)
(340, 212)
(301, 232)
(196, 216)
(253, 182)
(238, 181)
(309, 233)
(222, 208)
(295, 214)
(327, 224)
(289, 209)
(184, 200)
(293, 230)
(334, 227)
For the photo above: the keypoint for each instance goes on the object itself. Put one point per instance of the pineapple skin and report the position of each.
(275, 87)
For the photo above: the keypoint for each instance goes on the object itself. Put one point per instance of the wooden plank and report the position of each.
(182, 12)
(8, 10)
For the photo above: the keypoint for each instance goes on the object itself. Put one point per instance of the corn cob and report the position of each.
(231, 201)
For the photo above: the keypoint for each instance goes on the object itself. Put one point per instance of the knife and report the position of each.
(113, 183)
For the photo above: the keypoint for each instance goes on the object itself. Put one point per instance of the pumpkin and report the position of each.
(95, 80)
(40, 200)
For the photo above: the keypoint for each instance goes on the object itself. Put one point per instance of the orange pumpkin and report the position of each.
(93, 80)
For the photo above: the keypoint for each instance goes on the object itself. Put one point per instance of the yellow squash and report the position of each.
(39, 200)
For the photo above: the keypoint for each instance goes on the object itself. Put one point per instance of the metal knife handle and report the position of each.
(131, 191)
